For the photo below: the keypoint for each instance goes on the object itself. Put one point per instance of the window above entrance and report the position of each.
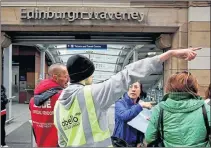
(109, 51)
(107, 58)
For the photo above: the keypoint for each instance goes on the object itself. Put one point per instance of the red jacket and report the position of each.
(42, 107)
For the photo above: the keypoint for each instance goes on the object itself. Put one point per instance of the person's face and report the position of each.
(89, 80)
(134, 90)
(62, 78)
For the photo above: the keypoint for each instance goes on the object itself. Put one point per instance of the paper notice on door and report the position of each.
(140, 122)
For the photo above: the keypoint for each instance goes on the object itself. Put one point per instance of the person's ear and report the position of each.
(55, 77)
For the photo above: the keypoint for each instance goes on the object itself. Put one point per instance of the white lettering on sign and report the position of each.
(47, 104)
(71, 16)
(43, 125)
(38, 112)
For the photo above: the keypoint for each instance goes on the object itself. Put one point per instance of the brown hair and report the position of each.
(182, 82)
(208, 92)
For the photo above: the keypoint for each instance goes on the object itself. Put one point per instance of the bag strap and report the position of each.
(58, 88)
(53, 91)
(138, 137)
(41, 98)
(206, 121)
(160, 124)
(162, 132)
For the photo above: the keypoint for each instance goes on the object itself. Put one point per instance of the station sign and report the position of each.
(71, 16)
(86, 47)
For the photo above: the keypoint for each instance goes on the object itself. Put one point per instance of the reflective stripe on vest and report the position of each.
(79, 126)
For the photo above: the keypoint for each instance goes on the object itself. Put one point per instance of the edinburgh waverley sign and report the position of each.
(71, 16)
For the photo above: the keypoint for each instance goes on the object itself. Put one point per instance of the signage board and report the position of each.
(86, 47)
(71, 16)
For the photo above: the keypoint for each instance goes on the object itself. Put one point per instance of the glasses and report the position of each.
(135, 86)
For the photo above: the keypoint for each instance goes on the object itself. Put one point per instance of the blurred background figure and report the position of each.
(208, 95)
(4, 101)
(183, 115)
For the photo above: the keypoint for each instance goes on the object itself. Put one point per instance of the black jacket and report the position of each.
(4, 99)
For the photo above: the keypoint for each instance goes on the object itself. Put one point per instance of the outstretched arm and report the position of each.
(186, 54)
(106, 93)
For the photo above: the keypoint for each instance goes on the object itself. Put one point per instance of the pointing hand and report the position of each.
(186, 54)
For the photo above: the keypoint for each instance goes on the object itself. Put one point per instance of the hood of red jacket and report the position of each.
(45, 85)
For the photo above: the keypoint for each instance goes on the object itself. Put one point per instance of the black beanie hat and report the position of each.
(79, 68)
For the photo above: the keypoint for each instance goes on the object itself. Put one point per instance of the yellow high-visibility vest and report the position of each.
(79, 125)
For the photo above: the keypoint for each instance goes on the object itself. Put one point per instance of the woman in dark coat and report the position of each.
(4, 101)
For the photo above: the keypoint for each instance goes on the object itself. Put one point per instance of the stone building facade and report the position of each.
(187, 23)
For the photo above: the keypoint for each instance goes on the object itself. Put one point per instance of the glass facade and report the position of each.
(112, 59)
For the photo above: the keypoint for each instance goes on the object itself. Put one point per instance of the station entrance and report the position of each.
(34, 43)
(33, 52)
(110, 52)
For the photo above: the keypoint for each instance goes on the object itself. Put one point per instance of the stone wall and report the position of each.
(199, 36)
(179, 40)
(155, 20)
(194, 33)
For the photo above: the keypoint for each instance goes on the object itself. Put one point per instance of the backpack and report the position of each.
(41, 98)
(160, 134)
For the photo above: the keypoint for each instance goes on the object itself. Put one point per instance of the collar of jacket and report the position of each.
(128, 99)
(77, 83)
(181, 102)
(181, 96)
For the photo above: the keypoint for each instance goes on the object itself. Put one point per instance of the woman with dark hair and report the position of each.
(208, 95)
(127, 108)
(143, 94)
(4, 101)
(178, 120)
